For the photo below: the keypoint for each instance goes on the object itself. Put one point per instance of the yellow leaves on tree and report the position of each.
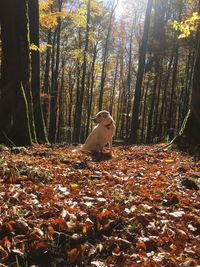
(79, 15)
(188, 26)
(48, 17)
(34, 47)
(41, 48)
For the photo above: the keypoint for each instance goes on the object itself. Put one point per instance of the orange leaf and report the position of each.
(49, 232)
(6, 242)
(104, 213)
(141, 245)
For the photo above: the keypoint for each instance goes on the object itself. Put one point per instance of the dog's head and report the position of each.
(103, 117)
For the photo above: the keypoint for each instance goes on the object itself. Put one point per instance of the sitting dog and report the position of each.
(102, 133)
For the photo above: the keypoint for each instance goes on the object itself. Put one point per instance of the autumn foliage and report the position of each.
(60, 207)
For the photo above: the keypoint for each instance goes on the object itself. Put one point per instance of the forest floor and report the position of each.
(59, 207)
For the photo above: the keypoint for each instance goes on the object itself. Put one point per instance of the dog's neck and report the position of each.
(108, 125)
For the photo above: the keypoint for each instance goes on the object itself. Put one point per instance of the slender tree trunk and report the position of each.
(82, 92)
(154, 101)
(119, 104)
(33, 6)
(144, 113)
(188, 82)
(61, 137)
(164, 99)
(172, 108)
(152, 106)
(77, 100)
(46, 83)
(112, 96)
(90, 96)
(105, 56)
(128, 109)
(141, 67)
(71, 87)
(53, 126)
(155, 130)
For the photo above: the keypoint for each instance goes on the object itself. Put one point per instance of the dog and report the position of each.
(101, 135)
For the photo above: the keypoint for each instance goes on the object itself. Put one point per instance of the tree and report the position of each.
(156, 48)
(105, 55)
(20, 109)
(84, 67)
(53, 126)
(141, 67)
(33, 12)
(15, 74)
(190, 132)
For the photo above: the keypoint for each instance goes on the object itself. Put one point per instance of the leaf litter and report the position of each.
(59, 207)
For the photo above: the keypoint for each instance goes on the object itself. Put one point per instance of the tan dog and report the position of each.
(102, 133)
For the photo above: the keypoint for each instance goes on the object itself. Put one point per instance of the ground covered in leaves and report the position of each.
(59, 207)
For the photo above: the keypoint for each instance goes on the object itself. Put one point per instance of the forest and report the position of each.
(62, 62)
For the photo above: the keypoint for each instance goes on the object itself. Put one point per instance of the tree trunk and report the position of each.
(15, 71)
(82, 92)
(141, 67)
(144, 112)
(53, 125)
(155, 130)
(112, 96)
(70, 106)
(33, 8)
(164, 99)
(188, 82)
(46, 83)
(105, 56)
(152, 106)
(90, 92)
(128, 108)
(62, 114)
(172, 107)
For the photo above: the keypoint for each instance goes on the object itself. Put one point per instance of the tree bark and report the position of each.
(141, 67)
(46, 83)
(172, 108)
(105, 56)
(15, 71)
(53, 125)
(82, 92)
(164, 98)
(33, 8)
(90, 92)
(128, 85)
